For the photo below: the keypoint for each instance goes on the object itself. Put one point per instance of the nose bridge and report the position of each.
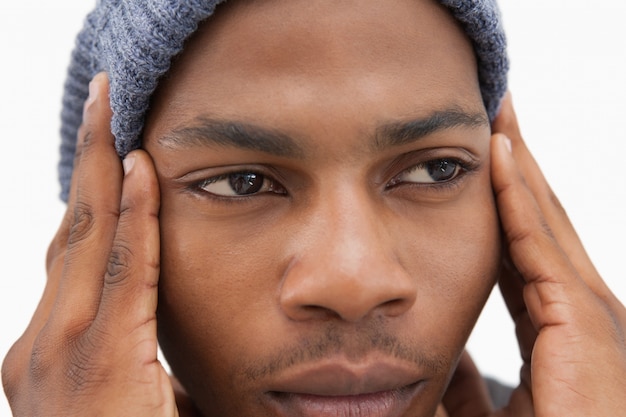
(347, 267)
(350, 230)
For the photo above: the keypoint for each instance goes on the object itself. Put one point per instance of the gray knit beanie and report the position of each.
(135, 40)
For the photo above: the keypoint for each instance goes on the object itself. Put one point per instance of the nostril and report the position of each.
(331, 291)
(318, 312)
(395, 307)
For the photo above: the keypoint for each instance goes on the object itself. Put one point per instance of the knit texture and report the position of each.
(482, 23)
(134, 41)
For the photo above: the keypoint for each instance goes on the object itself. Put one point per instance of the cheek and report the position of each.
(454, 254)
(217, 294)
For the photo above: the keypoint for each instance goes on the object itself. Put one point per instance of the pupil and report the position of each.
(441, 170)
(245, 183)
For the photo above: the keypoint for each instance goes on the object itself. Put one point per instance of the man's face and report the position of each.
(329, 234)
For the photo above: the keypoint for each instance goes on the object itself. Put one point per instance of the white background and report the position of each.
(568, 80)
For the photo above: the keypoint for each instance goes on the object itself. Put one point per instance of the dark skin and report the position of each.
(349, 245)
(335, 216)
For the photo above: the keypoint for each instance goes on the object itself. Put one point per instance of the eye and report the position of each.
(430, 172)
(238, 184)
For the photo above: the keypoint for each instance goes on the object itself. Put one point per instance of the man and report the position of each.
(319, 198)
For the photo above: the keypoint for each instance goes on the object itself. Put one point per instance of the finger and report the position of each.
(506, 123)
(553, 282)
(580, 343)
(129, 297)
(54, 263)
(511, 285)
(58, 246)
(18, 357)
(93, 215)
(555, 215)
(467, 395)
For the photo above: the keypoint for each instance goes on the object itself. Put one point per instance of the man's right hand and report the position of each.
(91, 346)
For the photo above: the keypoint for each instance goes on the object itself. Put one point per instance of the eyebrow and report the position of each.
(399, 133)
(207, 131)
(213, 132)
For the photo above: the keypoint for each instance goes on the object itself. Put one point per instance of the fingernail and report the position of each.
(94, 89)
(128, 163)
(93, 95)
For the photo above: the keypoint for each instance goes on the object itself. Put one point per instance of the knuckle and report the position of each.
(554, 200)
(528, 234)
(516, 236)
(87, 141)
(83, 144)
(119, 265)
(545, 229)
(82, 223)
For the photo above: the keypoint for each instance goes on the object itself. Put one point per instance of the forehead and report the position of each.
(252, 55)
(327, 30)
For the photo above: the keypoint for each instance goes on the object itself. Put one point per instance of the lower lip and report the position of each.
(378, 404)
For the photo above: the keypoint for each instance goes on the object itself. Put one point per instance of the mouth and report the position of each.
(392, 403)
(346, 390)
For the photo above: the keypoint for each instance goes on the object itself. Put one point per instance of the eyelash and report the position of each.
(463, 167)
(274, 188)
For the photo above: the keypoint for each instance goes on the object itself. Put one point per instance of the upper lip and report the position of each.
(340, 377)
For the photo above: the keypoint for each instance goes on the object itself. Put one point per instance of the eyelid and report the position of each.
(197, 186)
(467, 162)
(411, 159)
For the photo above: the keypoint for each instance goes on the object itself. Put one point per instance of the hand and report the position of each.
(91, 347)
(570, 327)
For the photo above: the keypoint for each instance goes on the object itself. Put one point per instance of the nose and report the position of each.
(346, 267)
